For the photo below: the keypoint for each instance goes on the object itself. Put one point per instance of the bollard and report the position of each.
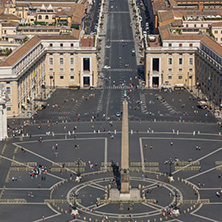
(154, 120)
(98, 131)
(84, 218)
(184, 211)
(114, 131)
(178, 178)
(178, 132)
(94, 131)
(90, 219)
(219, 133)
(148, 131)
(194, 133)
(131, 131)
(151, 131)
(198, 132)
(173, 131)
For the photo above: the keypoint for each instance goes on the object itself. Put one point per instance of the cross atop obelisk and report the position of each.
(125, 151)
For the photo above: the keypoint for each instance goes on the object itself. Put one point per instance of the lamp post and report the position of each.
(170, 162)
(148, 80)
(188, 80)
(53, 80)
(78, 163)
(191, 87)
(161, 78)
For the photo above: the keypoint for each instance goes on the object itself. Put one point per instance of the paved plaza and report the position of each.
(194, 146)
(79, 133)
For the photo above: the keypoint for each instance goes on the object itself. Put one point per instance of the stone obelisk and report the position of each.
(125, 151)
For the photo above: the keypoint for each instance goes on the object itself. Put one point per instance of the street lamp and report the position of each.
(170, 162)
(78, 163)
(191, 88)
(148, 79)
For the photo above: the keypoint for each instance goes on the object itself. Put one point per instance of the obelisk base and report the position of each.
(125, 183)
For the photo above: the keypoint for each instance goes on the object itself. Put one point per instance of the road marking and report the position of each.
(95, 187)
(141, 153)
(47, 189)
(105, 153)
(206, 218)
(209, 188)
(209, 154)
(50, 174)
(206, 171)
(55, 215)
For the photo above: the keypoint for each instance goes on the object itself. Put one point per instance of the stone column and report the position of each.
(3, 120)
(125, 151)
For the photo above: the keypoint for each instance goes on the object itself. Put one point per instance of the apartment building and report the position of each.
(43, 63)
(184, 54)
(216, 29)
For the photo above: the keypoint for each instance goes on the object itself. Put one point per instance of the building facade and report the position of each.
(43, 63)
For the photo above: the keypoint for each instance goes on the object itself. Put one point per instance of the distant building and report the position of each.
(44, 63)
(217, 31)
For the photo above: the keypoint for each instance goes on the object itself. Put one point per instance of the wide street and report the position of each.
(79, 132)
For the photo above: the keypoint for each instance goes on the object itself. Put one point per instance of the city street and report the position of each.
(79, 132)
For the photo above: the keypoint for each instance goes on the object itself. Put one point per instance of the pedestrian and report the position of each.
(219, 175)
(171, 143)
(151, 147)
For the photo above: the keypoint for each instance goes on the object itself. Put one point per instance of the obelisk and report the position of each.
(125, 151)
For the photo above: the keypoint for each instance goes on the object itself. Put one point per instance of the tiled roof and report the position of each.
(88, 42)
(216, 24)
(19, 52)
(6, 17)
(23, 49)
(9, 24)
(212, 44)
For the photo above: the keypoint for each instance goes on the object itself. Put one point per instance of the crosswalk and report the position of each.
(123, 70)
(121, 40)
(119, 12)
(118, 87)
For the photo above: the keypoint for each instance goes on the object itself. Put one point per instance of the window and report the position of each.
(71, 77)
(170, 45)
(86, 64)
(215, 32)
(71, 69)
(187, 25)
(220, 32)
(201, 25)
(170, 61)
(190, 70)
(71, 61)
(61, 70)
(169, 77)
(61, 53)
(46, 17)
(216, 39)
(71, 54)
(8, 108)
(180, 70)
(8, 90)
(191, 45)
(180, 45)
(61, 61)
(191, 61)
(195, 25)
(50, 45)
(50, 61)
(220, 39)
(50, 69)
(180, 77)
(40, 17)
(61, 44)
(170, 70)
(180, 61)
(71, 45)
(61, 77)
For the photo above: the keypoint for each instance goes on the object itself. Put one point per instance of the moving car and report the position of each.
(118, 114)
(106, 67)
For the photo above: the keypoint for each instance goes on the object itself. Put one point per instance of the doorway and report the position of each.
(155, 81)
(86, 81)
